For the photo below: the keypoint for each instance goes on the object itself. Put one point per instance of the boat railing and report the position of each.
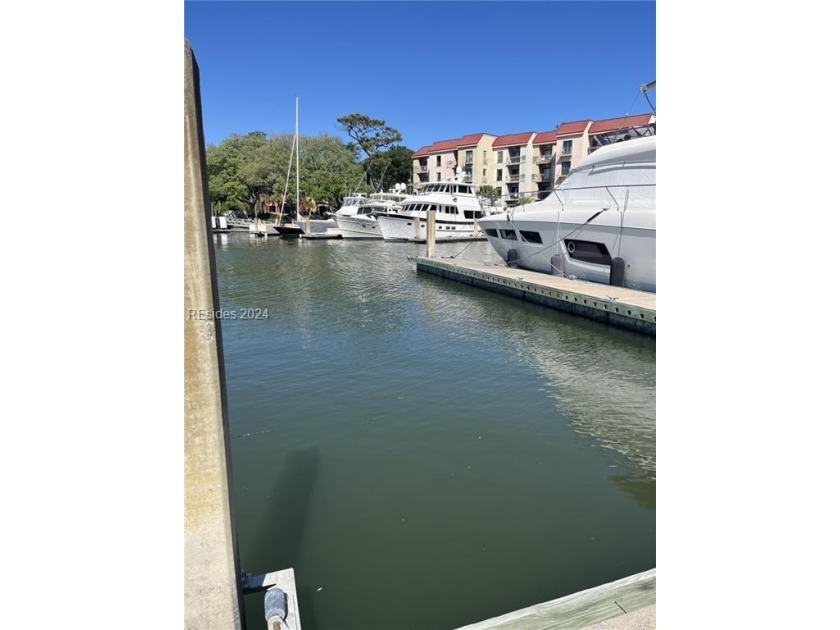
(615, 197)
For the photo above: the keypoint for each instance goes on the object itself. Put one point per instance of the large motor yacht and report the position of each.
(457, 210)
(598, 225)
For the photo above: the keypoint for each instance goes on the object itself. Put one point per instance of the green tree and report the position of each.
(243, 170)
(386, 168)
(239, 171)
(488, 191)
(369, 134)
(326, 167)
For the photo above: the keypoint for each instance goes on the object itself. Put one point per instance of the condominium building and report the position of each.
(513, 165)
(442, 159)
(526, 164)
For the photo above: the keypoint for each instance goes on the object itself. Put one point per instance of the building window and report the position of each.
(500, 157)
(469, 158)
(498, 174)
(438, 160)
(567, 147)
(565, 167)
(438, 175)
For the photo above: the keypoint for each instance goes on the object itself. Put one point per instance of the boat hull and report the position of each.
(635, 245)
(358, 227)
(398, 227)
(288, 230)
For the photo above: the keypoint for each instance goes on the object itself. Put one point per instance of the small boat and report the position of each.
(357, 217)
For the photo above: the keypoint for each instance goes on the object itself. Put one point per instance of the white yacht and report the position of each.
(362, 223)
(457, 210)
(598, 225)
(350, 205)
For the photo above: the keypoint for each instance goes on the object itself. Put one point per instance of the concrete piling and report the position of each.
(212, 589)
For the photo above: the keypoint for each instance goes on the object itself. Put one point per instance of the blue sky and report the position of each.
(433, 70)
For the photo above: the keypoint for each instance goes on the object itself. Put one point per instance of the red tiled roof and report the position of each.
(545, 137)
(444, 145)
(470, 140)
(513, 139)
(568, 128)
(611, 124)
(421, 151)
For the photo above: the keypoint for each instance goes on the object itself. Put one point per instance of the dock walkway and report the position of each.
(626, 604)
(618, 306)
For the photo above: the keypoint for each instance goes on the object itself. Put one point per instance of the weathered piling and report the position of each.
(212, 588)
(430, 233)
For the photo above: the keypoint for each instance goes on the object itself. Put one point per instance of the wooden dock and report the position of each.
(618, 306)
(626, 604)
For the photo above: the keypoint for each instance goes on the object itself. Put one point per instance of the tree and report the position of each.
(488, 191)
(326, 165)
(369, 134)
(244, 170)
(386, 168)
(240, 171)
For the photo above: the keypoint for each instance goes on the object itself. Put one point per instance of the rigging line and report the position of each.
(466, 248)
(649, 103)
(577, 229)
(288, 173)
(621, 226)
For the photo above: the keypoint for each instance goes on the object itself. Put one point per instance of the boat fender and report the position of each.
(617, 272)
(512, 258)
(558, 265)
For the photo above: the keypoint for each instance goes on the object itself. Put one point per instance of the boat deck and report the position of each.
(617, 306)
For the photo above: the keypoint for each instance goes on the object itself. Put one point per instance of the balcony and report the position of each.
(421, 168)
(566, 151)
(515, 159)
(514, 178)
(544, 158)
(468, 159)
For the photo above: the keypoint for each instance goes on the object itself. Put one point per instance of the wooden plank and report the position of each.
(582, 609)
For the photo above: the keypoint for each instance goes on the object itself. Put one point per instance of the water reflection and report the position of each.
(602, 380)
(398, 437)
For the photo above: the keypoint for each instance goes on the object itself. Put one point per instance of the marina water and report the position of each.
(426, 454)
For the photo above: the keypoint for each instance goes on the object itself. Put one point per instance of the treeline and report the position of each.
(245, 171)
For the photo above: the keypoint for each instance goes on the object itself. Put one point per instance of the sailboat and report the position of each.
(291, 228)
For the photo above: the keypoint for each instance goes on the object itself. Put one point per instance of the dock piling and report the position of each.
(212, 589)
(430, 234)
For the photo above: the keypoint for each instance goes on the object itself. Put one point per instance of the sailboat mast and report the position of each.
(297, 161)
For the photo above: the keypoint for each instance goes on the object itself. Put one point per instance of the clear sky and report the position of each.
(432, 70)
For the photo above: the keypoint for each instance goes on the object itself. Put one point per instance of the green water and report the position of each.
(426, 454)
